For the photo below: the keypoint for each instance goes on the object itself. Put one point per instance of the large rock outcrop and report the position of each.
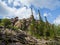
(19, 37)
(11, 37)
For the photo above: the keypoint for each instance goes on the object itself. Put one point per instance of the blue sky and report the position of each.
(22, 9)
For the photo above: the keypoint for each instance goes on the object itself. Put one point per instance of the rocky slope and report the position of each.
(11, 37)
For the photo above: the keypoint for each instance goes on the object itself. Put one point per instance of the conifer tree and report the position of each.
(47, 28)
(0, 20)
(32, 25)
(40, 25)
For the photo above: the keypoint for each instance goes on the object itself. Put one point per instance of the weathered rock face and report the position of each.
(23, 23)
(14, 20)
(19, 37)
(18, 24)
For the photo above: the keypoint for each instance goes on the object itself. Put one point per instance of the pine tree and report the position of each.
(47, 28)
(32, 24)
(0, 20)
(40, 25)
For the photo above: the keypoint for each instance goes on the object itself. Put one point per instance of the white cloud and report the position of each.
(47, 14)
(23, 12)
(26, 2)
(13, 12)
(50, 4)
(16, 3)
(10, 1)
(6, 17)
(57, 20)
(2, 8)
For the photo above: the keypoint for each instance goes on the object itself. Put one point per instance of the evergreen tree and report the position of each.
(47, 28)
(32, 28)
(40, 25)
(0, 20)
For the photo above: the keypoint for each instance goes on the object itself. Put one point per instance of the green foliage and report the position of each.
(41, 28)
(36, 28)
(6, 22)
(32, 27)
(57, 30)
(0, 20)
(12, 27)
